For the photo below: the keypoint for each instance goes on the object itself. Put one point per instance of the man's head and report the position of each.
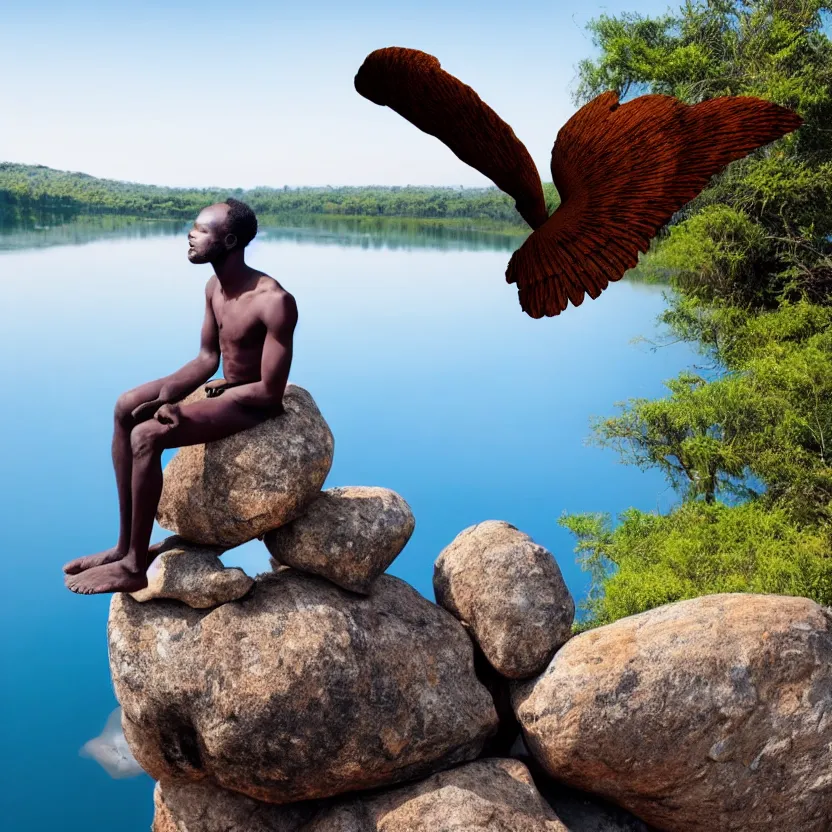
(221, 229)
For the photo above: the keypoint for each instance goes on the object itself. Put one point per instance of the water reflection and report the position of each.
(50, 229)
(27, 230)
(55, 230)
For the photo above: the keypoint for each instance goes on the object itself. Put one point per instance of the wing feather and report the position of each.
(414, 84)
(622, 171)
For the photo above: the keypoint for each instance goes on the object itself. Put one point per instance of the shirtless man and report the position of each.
(249, 322)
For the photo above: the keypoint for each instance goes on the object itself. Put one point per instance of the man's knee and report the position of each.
(125, 405)
(147, 438)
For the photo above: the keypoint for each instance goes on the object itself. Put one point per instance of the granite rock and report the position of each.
(192, 574)
(709, 714)
(227, 492)
(494, 795)
(509, 592)
(348, 535)
(300, 690)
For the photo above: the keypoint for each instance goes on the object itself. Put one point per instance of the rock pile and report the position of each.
(326, 696)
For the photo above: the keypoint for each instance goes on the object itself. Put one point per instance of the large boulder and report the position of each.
(509, 592)
(710, 714)
(488, 795)
(299, 690)
(348, 535)
(227, 492)
(192, 574)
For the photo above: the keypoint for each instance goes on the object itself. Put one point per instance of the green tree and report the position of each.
(746, 441)
(761, 233)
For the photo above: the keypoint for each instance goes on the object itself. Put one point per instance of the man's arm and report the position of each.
(280, 315)
(184, 381)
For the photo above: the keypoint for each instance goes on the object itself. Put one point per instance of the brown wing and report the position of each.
(414, 85)
(621, 173)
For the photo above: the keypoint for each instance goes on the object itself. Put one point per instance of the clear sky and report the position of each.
(239, 94)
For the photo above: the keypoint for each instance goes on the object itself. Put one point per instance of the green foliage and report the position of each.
(39, 189)
(767, 234)
(767, 418)
(746, 442)
(698, 549)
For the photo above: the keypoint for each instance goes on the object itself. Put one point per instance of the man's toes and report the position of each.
(75, 583)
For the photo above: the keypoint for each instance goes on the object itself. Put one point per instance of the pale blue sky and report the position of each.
(147, 91)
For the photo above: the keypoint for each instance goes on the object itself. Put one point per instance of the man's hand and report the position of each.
(168, 414)
(215, 387)
(146, 410)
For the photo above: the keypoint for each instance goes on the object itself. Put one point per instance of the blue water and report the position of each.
(433, 381)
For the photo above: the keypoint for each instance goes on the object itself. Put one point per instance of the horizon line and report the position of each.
(239, 188)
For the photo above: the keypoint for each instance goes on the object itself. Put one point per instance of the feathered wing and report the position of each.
(414, 85)
(622, 171)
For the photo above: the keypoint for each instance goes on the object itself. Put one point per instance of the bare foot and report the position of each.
(88, 561)
(107, 556)
(109, 577)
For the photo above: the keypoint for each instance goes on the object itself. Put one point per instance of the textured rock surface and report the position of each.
(488, 795)
(510, 593)
(578, 811)
(181, 806)
(493, 795)
(300, 690)
(193, 574)
(348, 535)
(233, 490)
(710, 714)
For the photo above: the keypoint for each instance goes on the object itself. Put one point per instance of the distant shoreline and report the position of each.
(39, 189)
(35, 196)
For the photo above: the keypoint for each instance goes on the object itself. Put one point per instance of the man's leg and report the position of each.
(205, 421)
(123, 424)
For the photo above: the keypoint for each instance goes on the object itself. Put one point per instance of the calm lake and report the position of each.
(433, 380)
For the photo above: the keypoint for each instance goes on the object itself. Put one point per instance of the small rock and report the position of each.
(348, 535)
(707, 715)
(194, 575)
(227, 492)
(510, 593)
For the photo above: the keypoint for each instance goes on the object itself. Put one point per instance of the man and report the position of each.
(249, 323)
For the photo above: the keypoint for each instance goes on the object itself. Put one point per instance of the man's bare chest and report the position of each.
(239, 324)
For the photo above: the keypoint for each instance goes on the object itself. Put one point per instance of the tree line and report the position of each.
(745, 439)
(36, 188)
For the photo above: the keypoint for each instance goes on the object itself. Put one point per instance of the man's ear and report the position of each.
(230, 241)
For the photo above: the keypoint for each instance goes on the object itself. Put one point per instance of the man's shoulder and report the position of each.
(275, 300)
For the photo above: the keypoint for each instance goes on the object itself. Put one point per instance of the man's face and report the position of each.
(209, 239)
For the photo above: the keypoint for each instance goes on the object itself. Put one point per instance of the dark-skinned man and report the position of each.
(249, 323)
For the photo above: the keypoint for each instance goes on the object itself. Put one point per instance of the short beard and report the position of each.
(215, 252)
